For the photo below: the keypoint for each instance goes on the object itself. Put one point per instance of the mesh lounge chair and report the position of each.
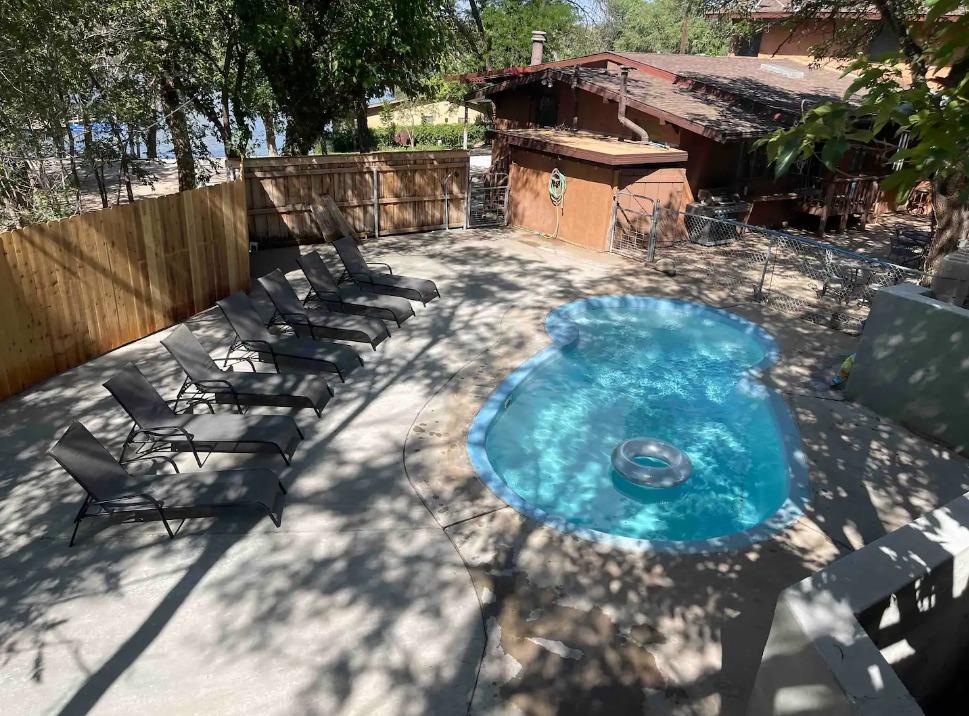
(252, 336)
(205, 378)
(325, 290)
(364, 276)
(158, 427)
(319, 323)
(111, 490)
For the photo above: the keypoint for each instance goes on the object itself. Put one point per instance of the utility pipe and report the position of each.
(628, 123)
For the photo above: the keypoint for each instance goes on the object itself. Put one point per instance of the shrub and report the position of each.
(432, 136)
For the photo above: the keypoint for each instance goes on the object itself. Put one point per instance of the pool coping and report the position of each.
(562, 333)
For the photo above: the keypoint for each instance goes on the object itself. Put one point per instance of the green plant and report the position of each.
(427, 136)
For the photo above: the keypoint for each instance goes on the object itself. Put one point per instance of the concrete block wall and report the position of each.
(884, 630)
(912, 364)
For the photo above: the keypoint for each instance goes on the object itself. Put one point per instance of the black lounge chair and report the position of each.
(205, 378)
(318, 323)
(346, 299)
(158, 427)
(252, 336)
(364, 276)
(111, 490)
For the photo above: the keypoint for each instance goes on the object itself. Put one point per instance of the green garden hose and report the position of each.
(557, 183)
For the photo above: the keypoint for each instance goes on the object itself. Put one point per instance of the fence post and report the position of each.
(467, 198)
(759, 291)
(444, 185)
(507, 193)
(611, 236)
(376, 203)
(651, 250)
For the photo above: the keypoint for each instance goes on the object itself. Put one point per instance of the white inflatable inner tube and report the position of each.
(676, 470)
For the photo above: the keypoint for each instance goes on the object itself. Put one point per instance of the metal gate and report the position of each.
(488, 200)
(817, 281)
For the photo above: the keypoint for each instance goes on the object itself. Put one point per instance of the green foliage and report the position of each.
(325, 60)
(508, 24)
(883, 104)
(656, 26)
(425, 136)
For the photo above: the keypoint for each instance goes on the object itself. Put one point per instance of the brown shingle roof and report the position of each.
(720, 97)
(776, 84)
(710, 115)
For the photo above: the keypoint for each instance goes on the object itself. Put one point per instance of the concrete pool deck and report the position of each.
(365, 601)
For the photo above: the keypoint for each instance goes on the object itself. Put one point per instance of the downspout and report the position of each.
(628, 123)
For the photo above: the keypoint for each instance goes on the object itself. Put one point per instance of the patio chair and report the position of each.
(111, 490)
(204, 378)
(324, 289)
(158, 427)
(364, 276)
(837, 281)
(318, 323)
(251, 335)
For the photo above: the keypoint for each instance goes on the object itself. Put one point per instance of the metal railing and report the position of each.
(817, 281)
(487, 203)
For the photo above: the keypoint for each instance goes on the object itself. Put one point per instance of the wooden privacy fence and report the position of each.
(380, 193)
(71, 290)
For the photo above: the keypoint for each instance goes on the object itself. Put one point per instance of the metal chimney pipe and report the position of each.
(628, 123)
(538, 46)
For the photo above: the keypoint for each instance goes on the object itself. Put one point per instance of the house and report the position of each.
(410, 113)
(700, 116)
(767, 30)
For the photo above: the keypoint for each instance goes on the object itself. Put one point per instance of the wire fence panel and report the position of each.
(488, 206)
(818, 282)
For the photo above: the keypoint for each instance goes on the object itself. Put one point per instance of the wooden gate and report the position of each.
(380, 193)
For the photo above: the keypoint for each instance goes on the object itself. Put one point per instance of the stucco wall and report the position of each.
(912, 364)
(882, 631)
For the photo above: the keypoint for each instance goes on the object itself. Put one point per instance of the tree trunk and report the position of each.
(151, 142)
(72, 157)
(268, 123)
(181, 140)
(363, 131)
(951, 217)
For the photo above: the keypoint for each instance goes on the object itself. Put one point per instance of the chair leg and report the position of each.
(161, 513)
(77, 519)
(274, 518)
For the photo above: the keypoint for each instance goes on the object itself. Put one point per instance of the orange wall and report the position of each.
(667, 185)
(587, 208)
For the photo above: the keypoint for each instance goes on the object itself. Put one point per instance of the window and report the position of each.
(548, 110)
(747, 45)
(427, 119)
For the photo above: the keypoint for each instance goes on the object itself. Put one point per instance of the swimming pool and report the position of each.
(623, 367)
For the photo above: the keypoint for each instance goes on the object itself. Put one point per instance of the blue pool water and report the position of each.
(634, 366)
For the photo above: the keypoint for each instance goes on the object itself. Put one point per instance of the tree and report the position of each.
(325, 60)
(657, 25)
(902, 101)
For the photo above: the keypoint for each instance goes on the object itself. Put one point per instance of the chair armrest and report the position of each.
(267, 347)
(299, 319)
(228, 360)
(144, 497)
(166, 431)
(167, 459)
(378, 263)
(213, 385)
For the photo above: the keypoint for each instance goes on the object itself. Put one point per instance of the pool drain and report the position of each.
(673, 467)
